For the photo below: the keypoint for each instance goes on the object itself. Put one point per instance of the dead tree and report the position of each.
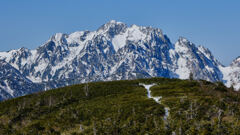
(220, 113)
(94, 128)
(50, 101)
(191, 76)
(86, 90)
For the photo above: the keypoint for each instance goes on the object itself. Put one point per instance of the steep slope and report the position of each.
(115, 51)
(196, 60)
(13, 83)
(232, 74)
(123, 107)
(109, 53)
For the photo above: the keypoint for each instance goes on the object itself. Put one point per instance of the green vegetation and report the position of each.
(122, 107)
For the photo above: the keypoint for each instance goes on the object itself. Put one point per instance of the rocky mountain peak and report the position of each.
(59, 38)
(184, 41)
(112, 28)
(184, 46)
(236, 62)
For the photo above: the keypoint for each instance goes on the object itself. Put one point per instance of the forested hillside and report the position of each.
(123, 107)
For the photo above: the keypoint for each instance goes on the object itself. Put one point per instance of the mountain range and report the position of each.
(115, 51)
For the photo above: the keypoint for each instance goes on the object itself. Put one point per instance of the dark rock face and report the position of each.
(13, 83)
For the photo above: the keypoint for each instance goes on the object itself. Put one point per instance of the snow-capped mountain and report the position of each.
(114, 51)
(231, 74)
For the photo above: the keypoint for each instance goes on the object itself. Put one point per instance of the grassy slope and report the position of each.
(122, 107)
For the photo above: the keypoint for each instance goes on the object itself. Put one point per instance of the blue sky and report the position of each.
(211, 23)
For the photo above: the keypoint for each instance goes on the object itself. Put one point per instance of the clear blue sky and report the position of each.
(212, 23)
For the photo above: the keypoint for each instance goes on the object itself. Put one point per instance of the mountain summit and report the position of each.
(116, 51)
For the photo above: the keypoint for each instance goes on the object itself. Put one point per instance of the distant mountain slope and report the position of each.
(123, 107)
(13, 83)
(116, 51)
(231, 74)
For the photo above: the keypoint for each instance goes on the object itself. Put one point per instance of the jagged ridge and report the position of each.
(114, 52)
